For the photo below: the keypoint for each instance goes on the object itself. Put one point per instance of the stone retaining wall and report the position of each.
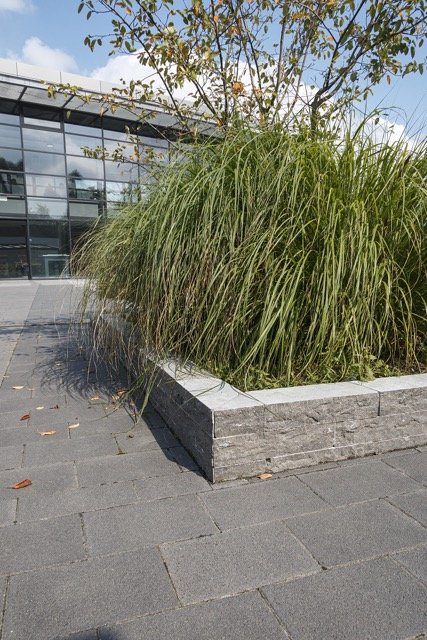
(232, 434)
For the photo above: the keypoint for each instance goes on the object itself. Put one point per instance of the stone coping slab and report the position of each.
(232, 433)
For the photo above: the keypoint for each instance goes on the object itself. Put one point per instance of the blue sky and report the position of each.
(50, 33)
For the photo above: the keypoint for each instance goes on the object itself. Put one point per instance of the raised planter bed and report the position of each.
(233, 434)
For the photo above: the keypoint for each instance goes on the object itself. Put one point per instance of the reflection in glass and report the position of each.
(85, 131)
(12, 207)
(119, 150)
(40, 208)
(49, 248)
(80, 189)
(120, 192)
(43, 140)
(46, 124)
(76, 144)
(153, 142)
(13, 249)
(124, 171)
(10, 136)
(44, 163)
(8, 118)
(85, 209)
(11, 159)
(46, 186)
(12, 183)
(85, 168)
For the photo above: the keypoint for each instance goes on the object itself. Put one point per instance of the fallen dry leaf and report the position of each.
(95, 398)
(25, 417)
(55, 406)
(39, 408)
(265, 476)
(18, 387)
(47, 433)
(21, 485)
(74, 426)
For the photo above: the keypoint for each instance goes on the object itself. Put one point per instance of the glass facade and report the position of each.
(52, 191)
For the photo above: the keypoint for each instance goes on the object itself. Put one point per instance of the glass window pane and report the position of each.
(46, 124)
(49, 248)
(11, 159)
(46, 186)
(85, 131)
(153, 142)
(11, 207)
(80, 189)
(8, 118)
(124, 171)
(12, 183)
(116, 135)
(120, 192)
(44, 162)
(43, 140)
(40, 208)
(85, 168)
(10, 136)
(85, 209)
(13, 249)
(75, 144)
(120, 150)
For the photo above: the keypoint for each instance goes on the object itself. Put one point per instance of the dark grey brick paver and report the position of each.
(23, 435)
(10, 457)
(244, 617)
(355, 483)
(413, 504)
(170, 486)
(126, 467)
(37, 544)
(42, 453)
(261, 502)
(70, 598)
(138, 525)
(414, 465)
(415, 560)
(375, 600)
(357, 531)
(7, 511)
(63, 503)
(234, 561)
(47, 479)
(155, 439)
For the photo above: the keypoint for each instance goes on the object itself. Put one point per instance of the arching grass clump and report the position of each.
(275, 258)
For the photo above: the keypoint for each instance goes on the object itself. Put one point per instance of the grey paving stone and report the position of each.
(184, 459)
(63, 503)
(10, 457)
(133, 526)
(158, 438)
(55, 477)
(40, 544)
(355, 532)
(85, 635)
(23, 434)
(65, 599)
(415, 561)
(42, 453)
(238, 560)
(127, 467)
(369, 600)
(263, 501)
(414, 466)
(65, 415)
(7, 512)
(413, 504)
(356, 483)
(240, 617)
(170, 486)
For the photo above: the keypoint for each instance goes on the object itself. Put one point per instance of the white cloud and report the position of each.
(35, 51)
(18, 6)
